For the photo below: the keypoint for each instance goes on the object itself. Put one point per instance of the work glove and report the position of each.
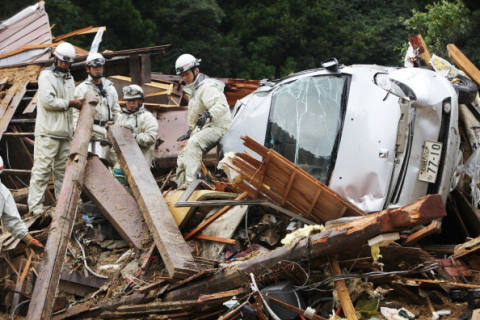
(128, 127)
(33, 244)
(204, 119)
(186, 136)
(77, 104)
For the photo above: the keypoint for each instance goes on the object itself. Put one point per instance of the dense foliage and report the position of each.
(270, 38)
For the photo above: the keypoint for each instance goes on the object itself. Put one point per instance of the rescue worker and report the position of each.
(108, 108)
(54, 127)
(209, 117)
(11, 220)
(140, 121)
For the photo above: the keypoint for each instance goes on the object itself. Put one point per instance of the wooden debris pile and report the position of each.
(275, 243)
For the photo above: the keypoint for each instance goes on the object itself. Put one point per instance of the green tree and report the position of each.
(443, 23)
(192, 27)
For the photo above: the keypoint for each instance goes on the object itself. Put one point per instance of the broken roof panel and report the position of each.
(28, 27)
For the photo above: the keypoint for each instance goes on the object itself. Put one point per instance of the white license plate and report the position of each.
(432, 152)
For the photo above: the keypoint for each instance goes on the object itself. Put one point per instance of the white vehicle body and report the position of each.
(366, 143)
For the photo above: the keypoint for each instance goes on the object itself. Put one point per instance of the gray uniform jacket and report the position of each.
(107, 108)
(145, 126)
(54, 117)
(10, 217)
(206, 94)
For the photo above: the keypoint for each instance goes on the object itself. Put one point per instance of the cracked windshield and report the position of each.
(305, 120)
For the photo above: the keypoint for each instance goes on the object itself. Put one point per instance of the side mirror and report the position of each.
(330, 64)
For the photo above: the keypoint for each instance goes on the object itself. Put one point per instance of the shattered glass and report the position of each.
(305, 119)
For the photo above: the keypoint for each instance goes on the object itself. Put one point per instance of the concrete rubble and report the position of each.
(272, 243)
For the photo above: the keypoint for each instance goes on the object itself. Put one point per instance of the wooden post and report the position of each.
(320, 245)
(49, 274)
(174, 250)
(145, 68)
(135, 70)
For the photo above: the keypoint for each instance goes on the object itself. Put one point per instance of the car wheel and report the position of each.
(466, 90)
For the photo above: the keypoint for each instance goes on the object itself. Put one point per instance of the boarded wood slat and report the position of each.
(284, 183)
(32, 105)
(172, 247)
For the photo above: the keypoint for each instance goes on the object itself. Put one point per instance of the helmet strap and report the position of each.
(195, 74)
(57, 67)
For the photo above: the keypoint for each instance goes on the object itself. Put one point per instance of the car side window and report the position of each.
(305, 119)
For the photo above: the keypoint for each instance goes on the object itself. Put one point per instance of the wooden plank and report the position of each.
(207, 222)
(320, 245)
(32, 105)
(46, 285)
(9, 111)
(26, 48)
(116, 204)
(70, 34)
(464, 63)
(3, 82)
(18, 287)
(224, 227)
(420, 234)
(173, 248)
(342, 291)
(216, 239)
(146, 68)
(94, 30)
(440, 282)
(467, 248)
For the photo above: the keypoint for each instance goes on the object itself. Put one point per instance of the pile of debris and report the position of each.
(123, 255)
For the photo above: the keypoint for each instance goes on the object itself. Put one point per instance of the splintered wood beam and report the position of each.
(174, 250)
(342, 291)
(419, 44)
(329, 242)
(464, 63)
(116, 204)
(43, 296)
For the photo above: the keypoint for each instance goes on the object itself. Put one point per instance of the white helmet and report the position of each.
(186, 62)
(65, 52)
(95, 59)
(132, 92)
(1, 164)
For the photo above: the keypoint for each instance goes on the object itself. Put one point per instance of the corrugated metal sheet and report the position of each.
(28, 27)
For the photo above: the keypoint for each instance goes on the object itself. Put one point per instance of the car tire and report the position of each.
(466, 90)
